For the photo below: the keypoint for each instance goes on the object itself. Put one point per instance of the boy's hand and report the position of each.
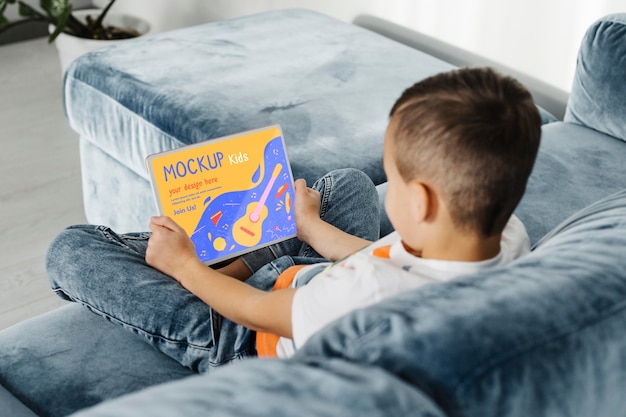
(172, 252)
(169, 248)
(327, 240)
(306, 210)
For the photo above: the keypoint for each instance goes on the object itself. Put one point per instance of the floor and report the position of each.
(40, 190)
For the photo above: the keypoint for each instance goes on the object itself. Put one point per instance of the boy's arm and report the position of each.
(327, 240)
(171, 251)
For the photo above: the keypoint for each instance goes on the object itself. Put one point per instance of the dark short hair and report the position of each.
(473, 134)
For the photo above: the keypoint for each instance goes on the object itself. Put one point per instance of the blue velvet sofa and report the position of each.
(543, 336)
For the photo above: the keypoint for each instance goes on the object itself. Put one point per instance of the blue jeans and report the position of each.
(107, 273)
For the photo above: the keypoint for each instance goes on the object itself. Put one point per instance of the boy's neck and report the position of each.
(459, 248)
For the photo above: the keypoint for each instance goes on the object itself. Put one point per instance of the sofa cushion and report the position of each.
(11, 406)
(69, 359)
(541, 337)
(597, 99)
(575, 167)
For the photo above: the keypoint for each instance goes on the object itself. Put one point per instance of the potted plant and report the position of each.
(75, 31)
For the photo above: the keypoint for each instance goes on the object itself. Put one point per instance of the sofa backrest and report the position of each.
(548, 97)
(598, 96)
(581, 160)
(576, 166)
(542, 337)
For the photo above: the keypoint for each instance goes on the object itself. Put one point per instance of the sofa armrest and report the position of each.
(542, 336)
(597, 98)
(11, 406)
(550, 98)
(278, 388)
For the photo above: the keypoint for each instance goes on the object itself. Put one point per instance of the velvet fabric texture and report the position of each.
(579, 161)
(12, 407)
(273, 387)
(597, 99)
(540, 337)
(330, 85)
(575, 167)
(66, 360)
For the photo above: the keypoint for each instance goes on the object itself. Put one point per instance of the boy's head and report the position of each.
(472, 135)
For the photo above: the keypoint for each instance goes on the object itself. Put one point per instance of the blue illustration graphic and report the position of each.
(236, 221)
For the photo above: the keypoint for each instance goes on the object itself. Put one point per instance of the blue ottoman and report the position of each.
(329, 84)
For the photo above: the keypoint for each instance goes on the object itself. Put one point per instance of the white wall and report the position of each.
(537, 37)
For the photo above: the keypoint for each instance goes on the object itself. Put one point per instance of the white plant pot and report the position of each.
(71, 47)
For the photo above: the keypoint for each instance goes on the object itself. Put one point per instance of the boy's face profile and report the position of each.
(402, 200)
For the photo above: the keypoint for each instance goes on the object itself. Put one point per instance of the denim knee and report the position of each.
(353, 176)
(350, 202)
(78, 250)
(345, 182)
(61, 254)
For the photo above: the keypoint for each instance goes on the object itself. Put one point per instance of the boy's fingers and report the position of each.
(163, 221)
(300, 184)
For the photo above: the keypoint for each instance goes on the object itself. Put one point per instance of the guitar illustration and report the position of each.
(247, 231)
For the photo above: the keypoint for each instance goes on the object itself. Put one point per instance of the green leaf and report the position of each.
(3, 19)
(26, 11)
(61, 23)
(57, 8)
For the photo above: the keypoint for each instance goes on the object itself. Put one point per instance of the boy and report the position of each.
(457, 154)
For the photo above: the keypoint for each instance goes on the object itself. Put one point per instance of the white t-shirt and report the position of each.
(379, 271)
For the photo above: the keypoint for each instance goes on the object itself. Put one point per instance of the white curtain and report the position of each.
(538, 37)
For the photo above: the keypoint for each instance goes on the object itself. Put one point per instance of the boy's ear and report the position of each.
(425, 201)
